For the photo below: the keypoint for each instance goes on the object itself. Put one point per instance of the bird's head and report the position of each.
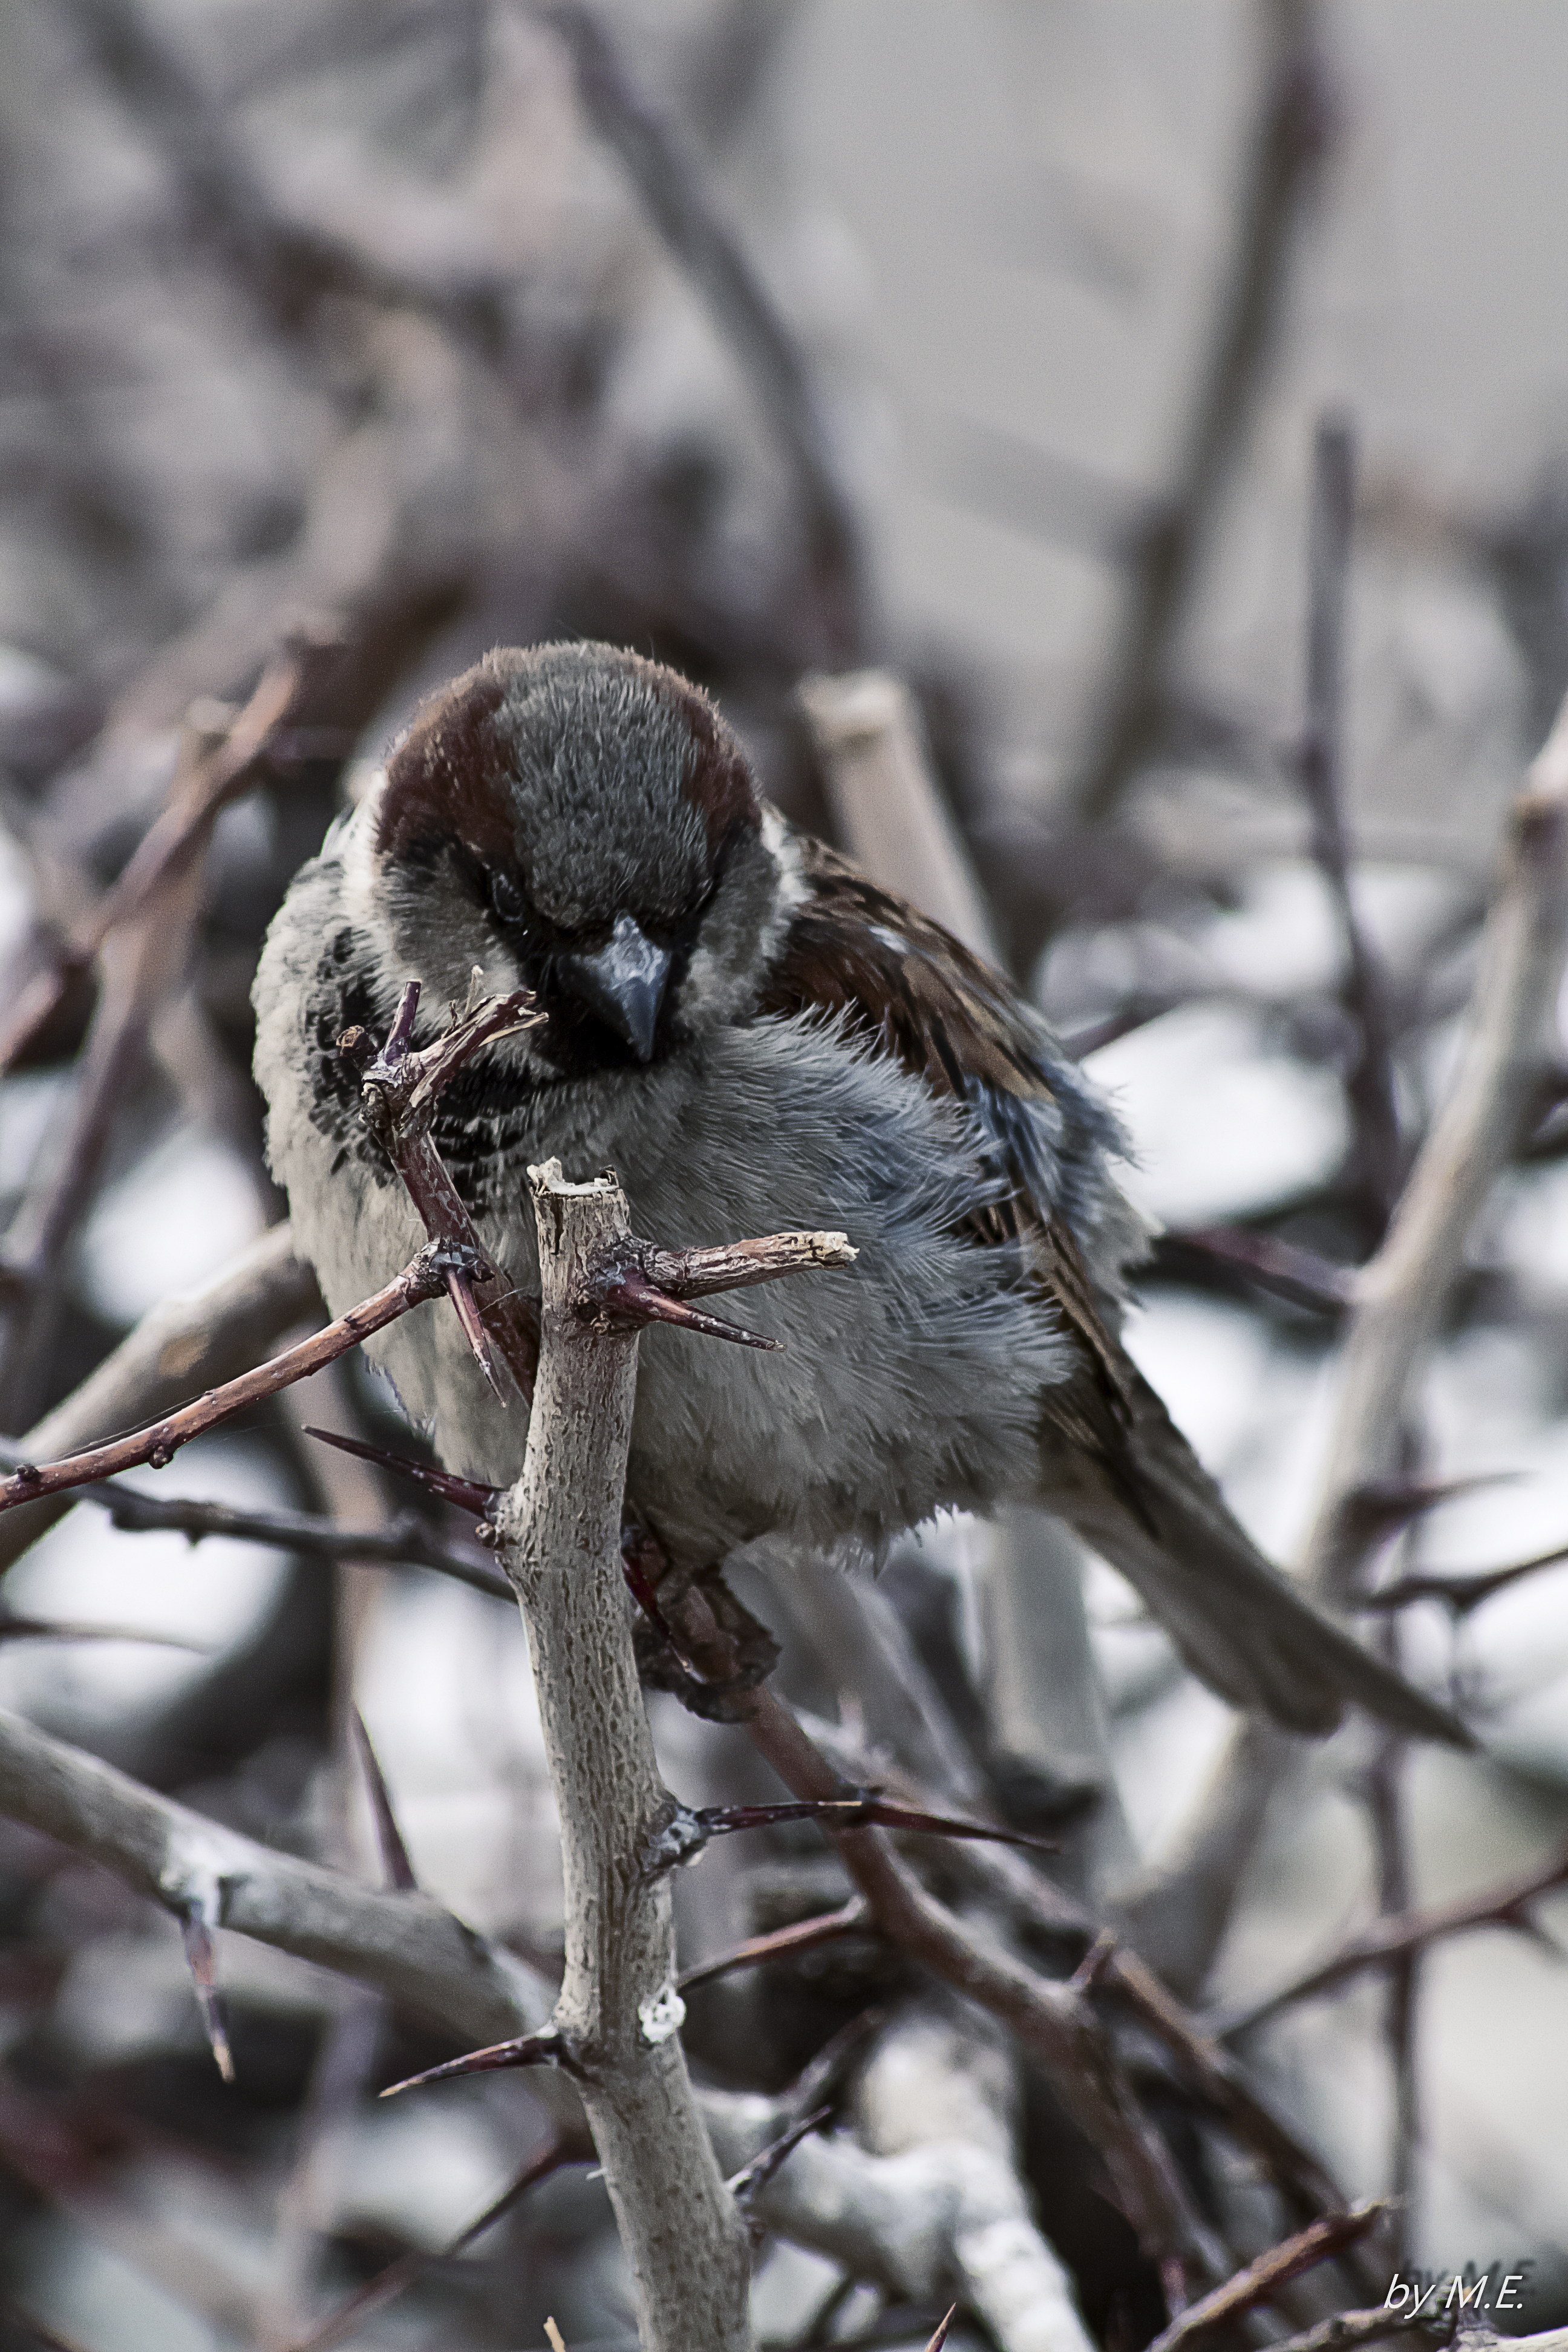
(582, 821)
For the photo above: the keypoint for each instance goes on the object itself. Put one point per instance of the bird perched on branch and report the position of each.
(756, 1037)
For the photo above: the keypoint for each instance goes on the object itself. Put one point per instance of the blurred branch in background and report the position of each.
(1369, 1082)
(1401, 1299)
(669, 183)
(1289, 144)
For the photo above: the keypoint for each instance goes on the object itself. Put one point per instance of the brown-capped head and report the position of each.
(588, 805)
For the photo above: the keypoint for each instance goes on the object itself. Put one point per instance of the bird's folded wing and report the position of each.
(1113, 1464)
(914, 992)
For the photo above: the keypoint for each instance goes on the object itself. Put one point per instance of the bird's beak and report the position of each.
(624, 983)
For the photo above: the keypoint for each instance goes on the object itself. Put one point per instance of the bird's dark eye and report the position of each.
(507, 899)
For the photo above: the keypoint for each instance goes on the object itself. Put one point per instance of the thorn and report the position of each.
(626, 1298)
(1369, 1514)
(939, 2339)
(1094, 1963)
(395, 1858)
(744, 2185)
(196, 1936)
(1459, 1594)
(1299, 1274)
(804, 1936)
(557, 2341)
(826, 2076)
(529, 2050)
(858, 1812)
(467, 1307)
(466, 1493)
(561, 2147)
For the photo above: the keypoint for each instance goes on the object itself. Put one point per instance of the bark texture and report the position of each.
(619, 2013)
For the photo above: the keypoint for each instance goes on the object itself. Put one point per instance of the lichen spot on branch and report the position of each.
(661, 2014)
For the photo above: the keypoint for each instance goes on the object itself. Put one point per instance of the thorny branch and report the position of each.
(561, 2147)
(1044, 1911)
(423, 1278)
(404, 1542)
(1406, 1933)
(404, 1943)
(217, 769)
(617, 2020)
(1460, 1594)
(903, 1711)
(401, 1089)
(1053, 2024)
(212, 1335)
(1261, 2280)
(882, 2216)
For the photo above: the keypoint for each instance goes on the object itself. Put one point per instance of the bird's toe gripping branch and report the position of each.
(663, 1661)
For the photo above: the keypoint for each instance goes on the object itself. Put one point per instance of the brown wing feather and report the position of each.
(948, 1017)
(855, 949)
(1114, 1464)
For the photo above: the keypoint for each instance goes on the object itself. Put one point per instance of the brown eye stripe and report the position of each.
(718, 780)
(442, 781)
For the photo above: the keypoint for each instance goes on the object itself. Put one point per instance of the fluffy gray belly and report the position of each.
(908, 1382)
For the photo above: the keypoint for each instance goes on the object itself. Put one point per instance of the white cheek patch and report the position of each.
(699, 992)
(359, 860)
(784, 850)
(792, 889)
(720, 981)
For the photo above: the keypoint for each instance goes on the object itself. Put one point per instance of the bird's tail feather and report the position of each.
(1241, 1626)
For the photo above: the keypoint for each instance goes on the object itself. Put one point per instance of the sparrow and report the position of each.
(755, 1037)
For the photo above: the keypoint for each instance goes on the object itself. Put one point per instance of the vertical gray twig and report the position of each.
(1369, 1083)
(618, 2014)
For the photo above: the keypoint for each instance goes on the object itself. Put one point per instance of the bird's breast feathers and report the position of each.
(884, 1083)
